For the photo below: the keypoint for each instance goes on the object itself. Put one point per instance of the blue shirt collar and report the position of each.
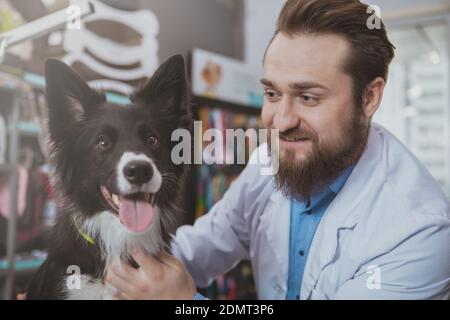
(339, 182)
(333, 187)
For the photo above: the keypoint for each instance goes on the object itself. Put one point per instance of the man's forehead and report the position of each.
(307, 58)
(325, 52)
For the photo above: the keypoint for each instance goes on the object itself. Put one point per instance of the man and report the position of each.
(351, 213)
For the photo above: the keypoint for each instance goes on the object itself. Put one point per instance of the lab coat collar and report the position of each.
(275, 222)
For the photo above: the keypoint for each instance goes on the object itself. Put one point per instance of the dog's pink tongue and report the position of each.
(136, 215)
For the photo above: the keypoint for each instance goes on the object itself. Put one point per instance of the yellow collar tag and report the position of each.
(86, 237)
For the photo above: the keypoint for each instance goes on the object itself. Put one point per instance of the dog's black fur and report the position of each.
(78, 115)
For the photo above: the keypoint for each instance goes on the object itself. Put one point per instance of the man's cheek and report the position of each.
(267, 117)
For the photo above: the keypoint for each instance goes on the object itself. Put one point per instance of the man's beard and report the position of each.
(303, 178)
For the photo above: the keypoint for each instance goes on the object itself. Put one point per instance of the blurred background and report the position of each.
(122, 44)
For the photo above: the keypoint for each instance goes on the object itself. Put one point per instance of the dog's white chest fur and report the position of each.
(90, 289)
(114, 241)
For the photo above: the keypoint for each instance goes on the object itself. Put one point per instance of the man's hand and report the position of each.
(21, 296)
(159, 278)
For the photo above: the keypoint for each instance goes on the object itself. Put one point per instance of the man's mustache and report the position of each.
(297, 134)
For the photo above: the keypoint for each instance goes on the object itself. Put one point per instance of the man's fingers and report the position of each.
(145, 261)
(122, 270)
(162, 258)
(22, 296)
(117, 282)
(170, 261)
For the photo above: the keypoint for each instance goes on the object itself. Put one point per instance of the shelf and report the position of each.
(117, 99)
(29, 128)
(7, 89)
(199, 102)
(38, 81)
(21, 266)
(35, 80)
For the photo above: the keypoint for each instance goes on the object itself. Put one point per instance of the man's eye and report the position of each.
(103, 143)
(309, 99)
(271, 94)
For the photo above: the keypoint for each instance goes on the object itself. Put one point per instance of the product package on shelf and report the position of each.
(214, 179)
(212, 182)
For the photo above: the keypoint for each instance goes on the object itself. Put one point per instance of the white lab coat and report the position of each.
(386, 235)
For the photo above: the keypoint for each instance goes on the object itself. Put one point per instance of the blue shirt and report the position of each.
(305, 217)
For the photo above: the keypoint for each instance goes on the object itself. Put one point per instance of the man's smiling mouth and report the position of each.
(294, 139)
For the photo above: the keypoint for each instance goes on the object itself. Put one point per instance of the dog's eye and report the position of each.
(152, 140)
(103, 143)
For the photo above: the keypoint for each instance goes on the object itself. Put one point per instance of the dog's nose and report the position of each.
(138, 172)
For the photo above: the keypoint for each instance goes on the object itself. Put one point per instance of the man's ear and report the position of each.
(168, 89)
(373, 96)
(69, 99)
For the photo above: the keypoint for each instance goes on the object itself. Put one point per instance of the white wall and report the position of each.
(391, 9)
(259, 26)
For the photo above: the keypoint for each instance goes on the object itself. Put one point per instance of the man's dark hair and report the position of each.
(371, 52)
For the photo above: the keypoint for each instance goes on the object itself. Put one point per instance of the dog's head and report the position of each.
(117, 158)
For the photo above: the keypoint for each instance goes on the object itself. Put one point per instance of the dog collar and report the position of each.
(86, 237)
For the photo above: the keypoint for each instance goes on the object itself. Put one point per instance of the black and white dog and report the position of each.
(113, 172)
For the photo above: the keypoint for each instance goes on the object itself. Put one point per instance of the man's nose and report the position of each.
(286, 117)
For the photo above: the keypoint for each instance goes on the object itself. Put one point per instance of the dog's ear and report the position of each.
(69, 99)
(168, 88)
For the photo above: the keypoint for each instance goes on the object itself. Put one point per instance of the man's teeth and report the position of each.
(294, 139)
